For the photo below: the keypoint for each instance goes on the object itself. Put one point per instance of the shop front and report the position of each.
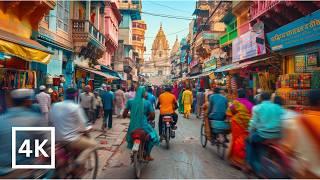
(298, 43)
(251, 67)
(92, 77)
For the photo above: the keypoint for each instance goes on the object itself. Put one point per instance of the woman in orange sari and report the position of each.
(240, 114)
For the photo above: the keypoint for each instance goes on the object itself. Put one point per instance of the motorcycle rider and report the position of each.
(141, 111)
(168, 104)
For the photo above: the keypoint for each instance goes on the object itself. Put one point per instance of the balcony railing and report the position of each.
(129, 6)
(243, 28)
(85, 26)
(260, 7)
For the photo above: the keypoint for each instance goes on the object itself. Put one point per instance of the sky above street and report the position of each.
(172, 27)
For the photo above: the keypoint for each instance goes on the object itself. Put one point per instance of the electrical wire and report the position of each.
(167, 16)
(170, 34)
(152, 2)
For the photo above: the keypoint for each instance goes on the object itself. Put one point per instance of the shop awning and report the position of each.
(95, 71)
(201, 75)
(225, 68)
(238, 65)
(24, 48)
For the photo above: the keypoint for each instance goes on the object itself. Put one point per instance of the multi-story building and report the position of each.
(125, 62)
(111, 30)
(74, 31)
(206, 32)
(18, 49)
(175, 60)
(139, 28)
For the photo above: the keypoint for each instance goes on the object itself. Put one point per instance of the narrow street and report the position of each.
(186, 158)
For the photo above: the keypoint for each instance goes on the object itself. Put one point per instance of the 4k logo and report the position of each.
(26, 149)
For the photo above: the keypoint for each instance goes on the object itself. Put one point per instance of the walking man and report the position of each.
(107, 102)
(119, 101)
(200, 102)
(44, 101)
(97, 106)
(187, 100)
(86, 102)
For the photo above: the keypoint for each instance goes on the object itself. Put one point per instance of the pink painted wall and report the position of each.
(111, 32)
(111, 25)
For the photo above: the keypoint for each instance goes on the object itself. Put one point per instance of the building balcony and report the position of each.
(260, 7)
(228, 37)
(85, 34)
(129, 6)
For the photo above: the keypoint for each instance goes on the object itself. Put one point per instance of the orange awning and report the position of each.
(23, 48)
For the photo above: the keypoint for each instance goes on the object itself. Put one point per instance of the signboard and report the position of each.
(301, 31)
(210, 65)
(248, 45)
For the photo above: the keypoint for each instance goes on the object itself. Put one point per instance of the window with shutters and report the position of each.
(63, 12)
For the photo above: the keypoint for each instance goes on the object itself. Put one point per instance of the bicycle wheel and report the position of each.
(91, 165)
(203, 137)
(137, 164)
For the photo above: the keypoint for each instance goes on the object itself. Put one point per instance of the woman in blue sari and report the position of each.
(140, 112)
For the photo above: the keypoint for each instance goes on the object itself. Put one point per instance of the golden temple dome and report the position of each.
(160, 42)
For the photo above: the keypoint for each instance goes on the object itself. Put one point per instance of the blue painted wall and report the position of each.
(126, 21)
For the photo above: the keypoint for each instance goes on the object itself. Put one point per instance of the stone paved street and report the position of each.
(185, 159)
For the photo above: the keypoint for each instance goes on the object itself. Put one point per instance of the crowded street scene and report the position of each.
(159, 89)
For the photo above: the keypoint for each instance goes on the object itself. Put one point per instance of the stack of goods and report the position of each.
(15, 79)
(294, 88)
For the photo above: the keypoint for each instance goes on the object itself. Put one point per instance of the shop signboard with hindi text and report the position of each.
(301, 31)
(248, 45)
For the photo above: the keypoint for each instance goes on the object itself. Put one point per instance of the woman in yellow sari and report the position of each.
(239, 113)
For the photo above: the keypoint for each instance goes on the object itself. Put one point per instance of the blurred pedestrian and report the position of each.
(266, 123)
(87, 101)
(257, 97)
(187, 100)
(44, 101)
(181, 108)
(239, 113)
(97, 106)
(19, 115)
(108, 103)
(200, 102)
(119, 101)
(151, 98)
(301, 140)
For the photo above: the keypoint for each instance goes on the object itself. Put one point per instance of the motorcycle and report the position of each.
(167, 131)
(138, 151)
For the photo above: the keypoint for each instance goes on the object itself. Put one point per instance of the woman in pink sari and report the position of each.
(240, 114)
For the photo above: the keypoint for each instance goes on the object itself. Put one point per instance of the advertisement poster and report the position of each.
(248, 45)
